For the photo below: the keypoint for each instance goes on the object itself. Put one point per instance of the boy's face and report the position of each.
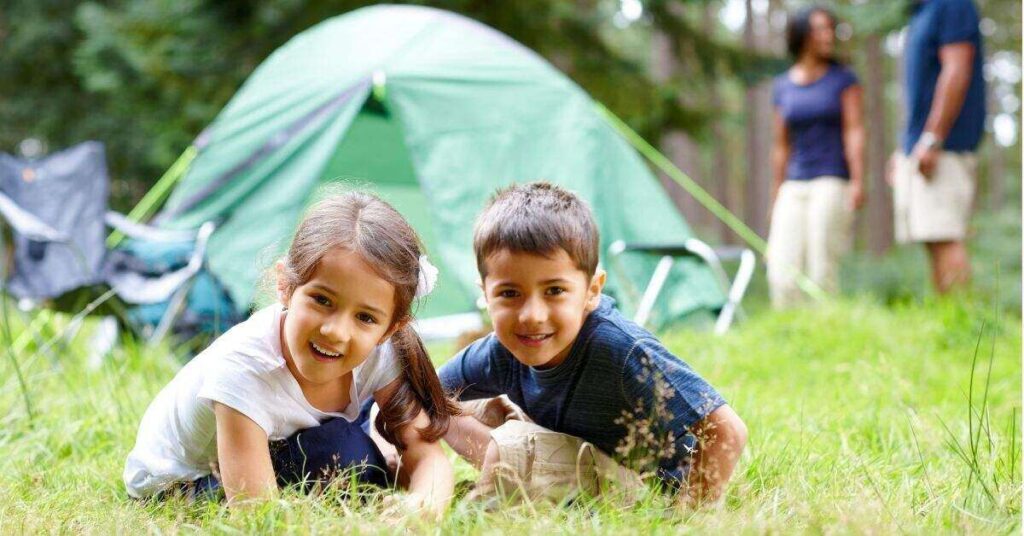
(538, 303)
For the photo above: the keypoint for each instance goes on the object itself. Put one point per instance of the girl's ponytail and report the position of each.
(421, 389)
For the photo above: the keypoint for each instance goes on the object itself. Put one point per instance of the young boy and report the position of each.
(581, 372)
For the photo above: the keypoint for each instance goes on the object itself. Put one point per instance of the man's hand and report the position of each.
(927, 158)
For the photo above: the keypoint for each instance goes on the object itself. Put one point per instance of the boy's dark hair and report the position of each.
(798, 27)
(538, 218)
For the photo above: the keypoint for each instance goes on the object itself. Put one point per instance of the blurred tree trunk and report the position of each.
(720, 169)
(676, 144)
(995, 171)
(758, 106)
(996, 176)
(877, 216)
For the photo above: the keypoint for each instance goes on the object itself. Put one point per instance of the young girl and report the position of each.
(276, 399)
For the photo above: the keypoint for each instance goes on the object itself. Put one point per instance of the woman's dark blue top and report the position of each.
(814, 119)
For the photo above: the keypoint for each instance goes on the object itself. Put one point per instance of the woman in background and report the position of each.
(817, 160)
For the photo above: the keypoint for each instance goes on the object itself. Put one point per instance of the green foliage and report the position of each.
(146, 76)
(875, 18)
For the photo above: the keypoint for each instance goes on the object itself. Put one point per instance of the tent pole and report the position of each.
(158, 193)
(701, 195)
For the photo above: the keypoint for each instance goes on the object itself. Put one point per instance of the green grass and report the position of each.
(862, 418)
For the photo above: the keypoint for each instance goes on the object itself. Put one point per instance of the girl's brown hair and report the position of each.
(364, 224)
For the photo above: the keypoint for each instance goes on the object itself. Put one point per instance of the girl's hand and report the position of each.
(425, 471)
(398, 507)
(423, 468)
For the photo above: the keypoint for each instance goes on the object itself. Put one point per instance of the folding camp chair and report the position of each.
(693, 248)
(57, 209)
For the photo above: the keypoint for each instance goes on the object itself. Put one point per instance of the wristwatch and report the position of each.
(929, 141)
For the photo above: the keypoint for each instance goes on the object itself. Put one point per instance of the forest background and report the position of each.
(692, 76)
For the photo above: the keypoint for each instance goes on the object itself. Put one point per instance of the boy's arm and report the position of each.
(473, 373)
(721, 437)
(469, 438)
(243, 455)
(686, 404)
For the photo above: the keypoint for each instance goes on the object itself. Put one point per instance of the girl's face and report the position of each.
(821, 40)
(335, 319)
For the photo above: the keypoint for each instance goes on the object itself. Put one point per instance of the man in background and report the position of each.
(934, 175)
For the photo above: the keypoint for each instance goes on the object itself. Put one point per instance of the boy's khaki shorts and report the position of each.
(537, 463)
(936, 209)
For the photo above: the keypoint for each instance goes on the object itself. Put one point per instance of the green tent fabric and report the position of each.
(432, 111)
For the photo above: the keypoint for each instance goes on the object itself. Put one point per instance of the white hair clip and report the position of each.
(427, 277)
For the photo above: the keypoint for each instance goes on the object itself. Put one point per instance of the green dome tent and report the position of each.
(432, 111)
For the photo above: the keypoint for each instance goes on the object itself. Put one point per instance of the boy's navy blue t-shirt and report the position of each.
(609, 373)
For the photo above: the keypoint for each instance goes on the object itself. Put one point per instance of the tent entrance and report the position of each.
(372, 155)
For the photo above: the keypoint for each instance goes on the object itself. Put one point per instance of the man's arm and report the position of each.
(721, 437)
(957, 60)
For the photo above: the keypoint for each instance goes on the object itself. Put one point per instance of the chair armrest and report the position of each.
(26, 224)
(141, 231)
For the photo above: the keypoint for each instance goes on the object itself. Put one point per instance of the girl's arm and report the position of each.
(424, 468)
(243, 454)
(721, 437)
(851, 102)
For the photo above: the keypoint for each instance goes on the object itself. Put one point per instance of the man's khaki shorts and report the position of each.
(936, 209)
(538, 463)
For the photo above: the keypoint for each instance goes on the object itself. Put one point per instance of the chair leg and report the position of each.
(661, 271)
(737, 290)
(174, 307)
(102, 341)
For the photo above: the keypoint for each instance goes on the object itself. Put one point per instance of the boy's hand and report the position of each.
(493, 412)
(721, 437)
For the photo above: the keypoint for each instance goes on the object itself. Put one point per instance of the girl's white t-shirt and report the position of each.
(245, 370)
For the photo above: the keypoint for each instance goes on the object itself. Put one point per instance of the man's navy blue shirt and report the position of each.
(934, 24)
(814, 118)
(608, 372)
